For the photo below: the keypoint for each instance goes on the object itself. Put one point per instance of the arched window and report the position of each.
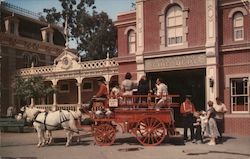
(35, 60)
(131, 42)
(238, 26)
(26, 61)
(174, 26)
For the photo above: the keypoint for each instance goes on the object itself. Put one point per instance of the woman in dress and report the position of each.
(212, 127)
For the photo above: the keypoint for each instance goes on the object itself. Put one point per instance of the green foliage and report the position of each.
(32, 87)
(94, 32)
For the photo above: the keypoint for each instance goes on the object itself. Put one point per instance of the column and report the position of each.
(79, 88)
(140, 38)
(107, 78)
(32, 102)
(212, 58)
(54, 82)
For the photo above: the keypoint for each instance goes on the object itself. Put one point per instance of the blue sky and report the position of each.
(112, 7)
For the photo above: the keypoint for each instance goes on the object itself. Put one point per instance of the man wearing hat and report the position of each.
(187, 109)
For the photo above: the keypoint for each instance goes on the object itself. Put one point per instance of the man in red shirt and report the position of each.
(103, 90)
(187, 109)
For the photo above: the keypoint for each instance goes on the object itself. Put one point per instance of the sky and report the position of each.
(112, 7)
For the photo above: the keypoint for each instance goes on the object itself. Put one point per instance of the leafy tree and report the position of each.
(94, 32)
(32, 87)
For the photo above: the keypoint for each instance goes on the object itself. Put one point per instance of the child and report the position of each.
(198, 136)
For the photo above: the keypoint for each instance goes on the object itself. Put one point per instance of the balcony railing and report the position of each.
(72, 107)
(19, 10)
(97, 64)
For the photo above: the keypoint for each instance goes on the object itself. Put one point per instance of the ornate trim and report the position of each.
(237, 9)
(128, 29)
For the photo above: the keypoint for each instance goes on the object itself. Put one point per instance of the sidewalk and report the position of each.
(125, 147)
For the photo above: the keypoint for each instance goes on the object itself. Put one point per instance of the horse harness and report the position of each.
(63, 119)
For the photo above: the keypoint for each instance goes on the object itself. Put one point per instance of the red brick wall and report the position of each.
(226, 25)
(122, 38)
(237, 126)
(126, 17)
(228, 66)
(122, 42)
(196, 28)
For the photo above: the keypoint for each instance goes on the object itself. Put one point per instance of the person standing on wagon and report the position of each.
(161, 93)
(187, 109)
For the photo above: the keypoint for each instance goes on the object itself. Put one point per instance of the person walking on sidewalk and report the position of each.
(187, 109)
(220, 109)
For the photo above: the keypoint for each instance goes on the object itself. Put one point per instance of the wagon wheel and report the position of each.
(150, 131)
(104, 135)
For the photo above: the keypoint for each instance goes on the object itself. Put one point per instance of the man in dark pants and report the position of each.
(187, 109)
(220, 109)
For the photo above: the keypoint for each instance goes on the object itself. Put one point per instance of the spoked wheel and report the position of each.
(104, 135)
(150, 131)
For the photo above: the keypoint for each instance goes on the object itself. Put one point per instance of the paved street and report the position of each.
(126, 147)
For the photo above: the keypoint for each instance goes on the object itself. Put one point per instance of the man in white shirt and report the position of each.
(162, 92)
(220, 109)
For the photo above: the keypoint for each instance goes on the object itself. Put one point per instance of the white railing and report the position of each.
(88, 65)
(98, 64)
(44, 107)
(67, 107)
(58, 107)
(36, 70)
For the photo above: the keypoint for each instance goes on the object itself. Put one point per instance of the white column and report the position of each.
(212, 76)
(32, 102)
(107, 78)
(54, 82)
(140, 38)
(79, 88)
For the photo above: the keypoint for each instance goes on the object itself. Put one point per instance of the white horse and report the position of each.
(43, 121)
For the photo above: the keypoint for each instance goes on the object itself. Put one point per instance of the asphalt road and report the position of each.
(23, 146)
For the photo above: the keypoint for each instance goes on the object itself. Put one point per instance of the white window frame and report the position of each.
(131, 32)
(88, 90)
(245, 79)
(175, 27)
(238, 28)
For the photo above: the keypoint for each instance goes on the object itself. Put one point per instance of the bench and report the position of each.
(5, 123)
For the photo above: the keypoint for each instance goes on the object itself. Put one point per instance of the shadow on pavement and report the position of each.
(219, 152)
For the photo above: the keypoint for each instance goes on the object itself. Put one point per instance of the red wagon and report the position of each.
(149, 124)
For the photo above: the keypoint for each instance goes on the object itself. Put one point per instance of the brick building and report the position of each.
(24, 39)
(199, 47)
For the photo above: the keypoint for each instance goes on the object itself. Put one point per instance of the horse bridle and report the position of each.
(22, 112)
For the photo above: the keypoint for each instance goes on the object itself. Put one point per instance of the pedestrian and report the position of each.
(161, 93)
(220, 109)
(198, 137)
(212, 127)
(187, 110)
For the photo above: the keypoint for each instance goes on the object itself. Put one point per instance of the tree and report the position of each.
(94, 32)
(32, 87)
